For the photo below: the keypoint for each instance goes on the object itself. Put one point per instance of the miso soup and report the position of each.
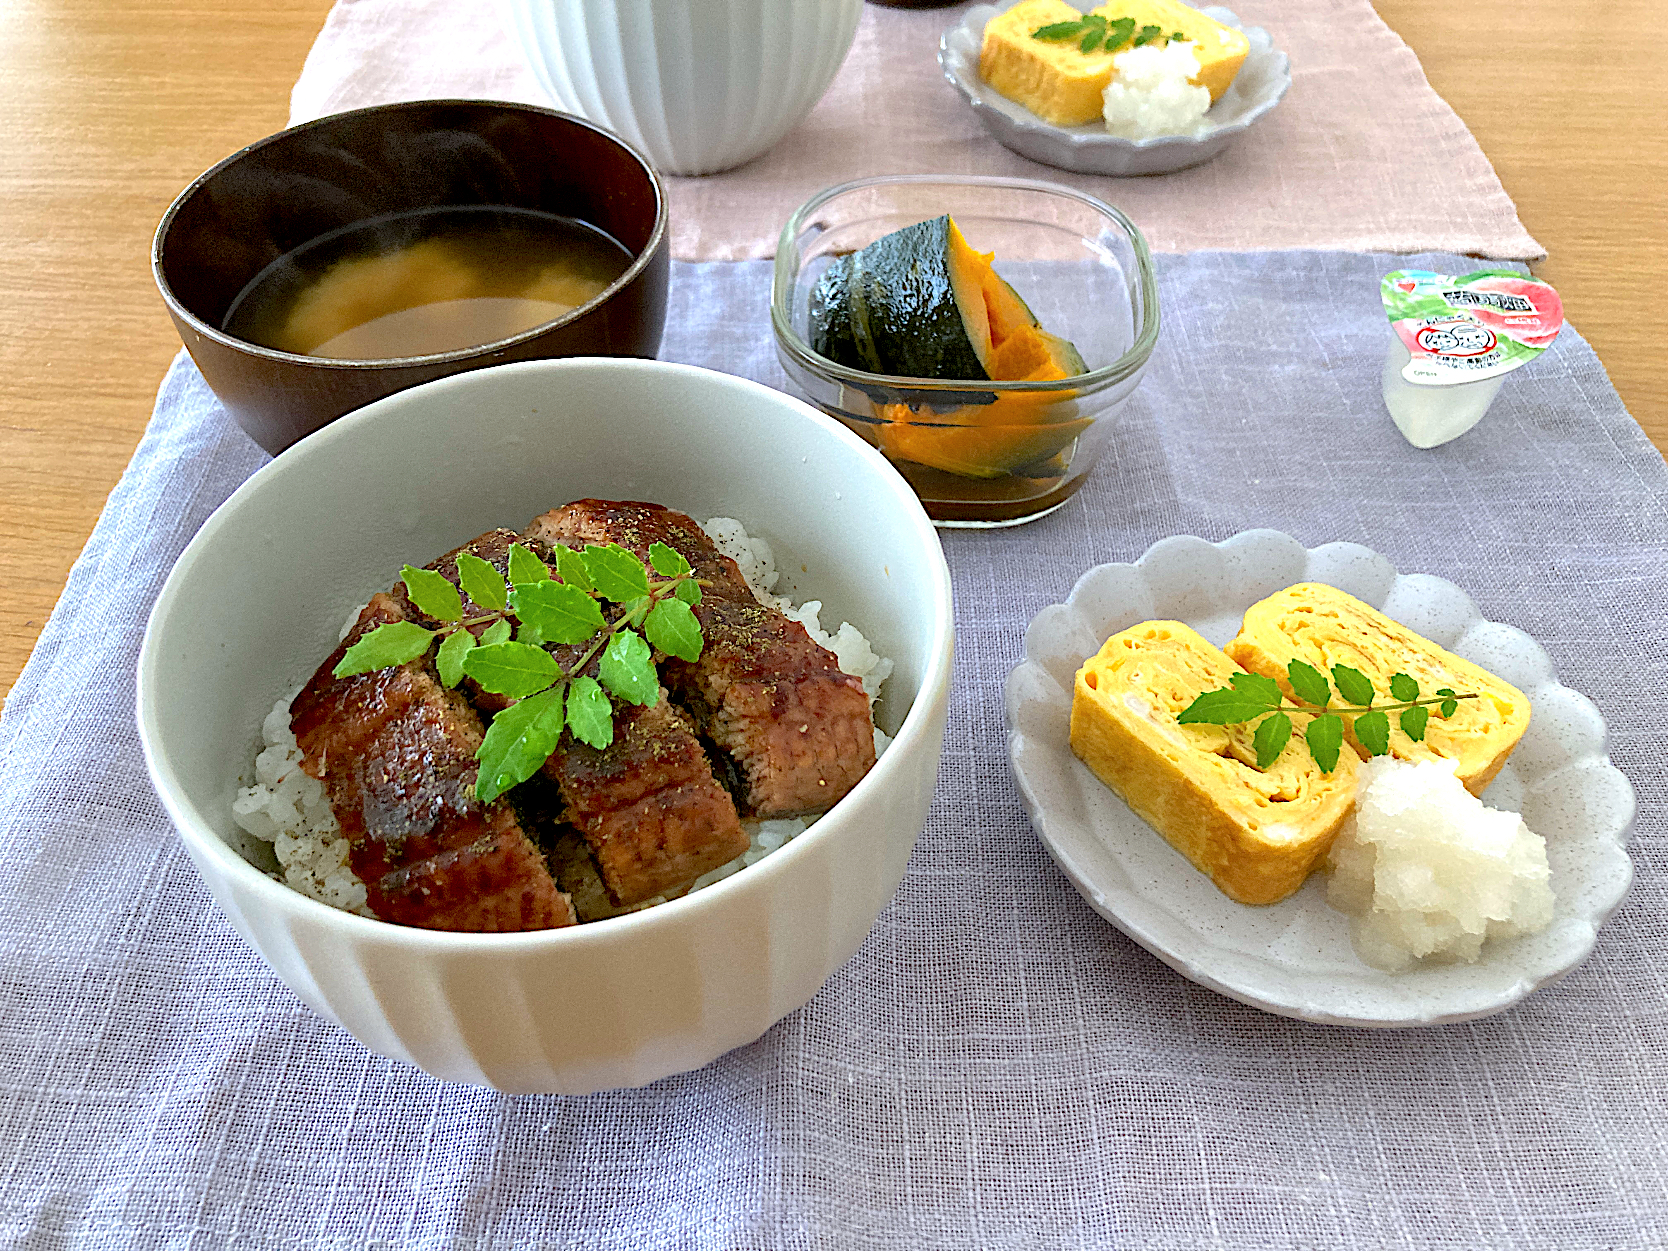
(413, 284)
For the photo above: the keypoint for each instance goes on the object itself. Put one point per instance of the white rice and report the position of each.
(288, 809)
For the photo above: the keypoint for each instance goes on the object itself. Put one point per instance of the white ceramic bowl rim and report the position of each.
(787, 266)
(591, 58)
(186, 816)
(639, 262)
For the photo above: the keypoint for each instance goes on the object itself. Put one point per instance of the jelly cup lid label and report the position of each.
(1475, 326)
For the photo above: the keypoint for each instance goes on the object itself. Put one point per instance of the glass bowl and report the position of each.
(978, 452)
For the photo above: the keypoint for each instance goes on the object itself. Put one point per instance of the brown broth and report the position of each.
(440, 280)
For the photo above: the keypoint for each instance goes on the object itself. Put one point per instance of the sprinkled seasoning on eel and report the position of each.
(395, 751)
(798, 730)
(652, 813)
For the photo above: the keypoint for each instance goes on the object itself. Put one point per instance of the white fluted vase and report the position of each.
(697, 85)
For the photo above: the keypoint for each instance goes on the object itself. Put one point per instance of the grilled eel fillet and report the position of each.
(395, 751)
(798, 730)
(648, 805)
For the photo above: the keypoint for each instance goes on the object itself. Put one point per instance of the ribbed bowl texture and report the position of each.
(698, 85)
(257, 598)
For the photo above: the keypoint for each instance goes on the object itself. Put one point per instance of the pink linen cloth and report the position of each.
(1362, 155)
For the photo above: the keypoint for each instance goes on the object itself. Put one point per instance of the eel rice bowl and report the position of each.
(364, 786)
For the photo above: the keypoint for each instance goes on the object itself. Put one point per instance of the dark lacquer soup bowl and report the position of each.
(392, 165)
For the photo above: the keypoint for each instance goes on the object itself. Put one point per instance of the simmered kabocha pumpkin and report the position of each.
(917, 303)
(921, 303)
(1020, 429)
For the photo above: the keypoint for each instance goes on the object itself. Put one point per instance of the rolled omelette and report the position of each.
(1256, 834)
(1324, 626)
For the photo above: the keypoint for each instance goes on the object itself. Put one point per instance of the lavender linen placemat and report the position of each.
(1361, 155)
(997, 1067)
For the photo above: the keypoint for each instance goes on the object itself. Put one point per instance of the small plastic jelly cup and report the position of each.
(1431, 415)
(1453, 341)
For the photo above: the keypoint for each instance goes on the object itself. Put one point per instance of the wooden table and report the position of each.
(1563, 101)
(114, 106)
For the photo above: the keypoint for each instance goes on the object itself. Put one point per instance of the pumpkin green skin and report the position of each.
(892, 308)
(1064, 351)
(832, 334)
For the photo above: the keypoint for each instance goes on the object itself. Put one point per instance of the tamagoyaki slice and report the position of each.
(1255, 833)
(1324, 626)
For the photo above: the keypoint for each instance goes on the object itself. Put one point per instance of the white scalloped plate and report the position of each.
(1260, 85)
(1295, 958)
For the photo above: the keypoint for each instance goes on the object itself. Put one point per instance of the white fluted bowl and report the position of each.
(698, 85)
(254, 605)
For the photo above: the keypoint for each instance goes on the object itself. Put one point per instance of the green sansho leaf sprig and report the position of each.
(1250, 697)
(611, 606)
(1092, 33)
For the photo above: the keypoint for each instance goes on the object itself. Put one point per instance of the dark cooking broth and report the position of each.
(437, 280)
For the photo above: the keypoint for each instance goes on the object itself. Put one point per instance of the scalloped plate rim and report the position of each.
(1115, 905)
(1192, 149)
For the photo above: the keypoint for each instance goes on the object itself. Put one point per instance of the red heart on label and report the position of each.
(1406, 286)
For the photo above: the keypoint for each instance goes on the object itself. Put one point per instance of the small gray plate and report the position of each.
(1294, 958)
(1088, 149)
